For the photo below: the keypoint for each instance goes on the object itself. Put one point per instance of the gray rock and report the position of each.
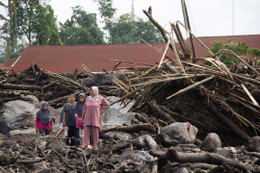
(135, 161)
(223, 152)
(15, 147)
(211, 143)
(179, 133)
(18, 113)
(41, 165)
(254, 144)
(117, 115)
(3, 136)
(56, 127)
(40, 144)
(145, 142)
(118, 136)
(181, 170)
(30, 131)
(136, 155)
(32, 97)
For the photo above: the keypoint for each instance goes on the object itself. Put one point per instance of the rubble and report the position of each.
(157, 125)
(49, 86)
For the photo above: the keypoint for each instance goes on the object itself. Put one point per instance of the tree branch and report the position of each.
(204, 157)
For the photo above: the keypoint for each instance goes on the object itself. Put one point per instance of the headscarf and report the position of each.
(45, 115)
(96, 94)
(80, 105)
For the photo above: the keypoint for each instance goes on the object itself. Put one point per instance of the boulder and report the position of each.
(145, 142)
(118, 136)
(34, 99)
(136, 155)
(18, 113)
(117, 115)
(179, 133)
(135, 161)
(254, 144)
(211, 143)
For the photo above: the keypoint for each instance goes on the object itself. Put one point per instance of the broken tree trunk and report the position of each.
(133, 128)
(164, 114)
(20, 87)
(227, 121)
(206, 157)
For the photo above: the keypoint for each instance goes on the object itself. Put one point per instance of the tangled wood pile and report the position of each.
(45, 85)
(48, 86)
(207, 94)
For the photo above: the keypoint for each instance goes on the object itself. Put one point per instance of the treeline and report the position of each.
(32, 22)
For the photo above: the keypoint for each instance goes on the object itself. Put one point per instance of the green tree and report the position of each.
(8, 31)
(36, 21)
(129, 30)
(107, 13)
(81, 28)
(240, 48)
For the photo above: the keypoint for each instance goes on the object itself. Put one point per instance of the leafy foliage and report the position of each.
(129, 30)
(107, 13)
(81, 28)
(37, 23)
(240, 48)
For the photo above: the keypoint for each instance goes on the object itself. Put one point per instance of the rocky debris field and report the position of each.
(128, 143)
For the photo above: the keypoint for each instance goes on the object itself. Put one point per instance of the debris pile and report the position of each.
(206, 94)
(186, 116)
(51, 87)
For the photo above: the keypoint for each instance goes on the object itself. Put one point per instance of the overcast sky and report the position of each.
(208, 17)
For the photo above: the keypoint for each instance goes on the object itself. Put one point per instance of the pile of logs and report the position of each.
(207, 94)
(43, 84)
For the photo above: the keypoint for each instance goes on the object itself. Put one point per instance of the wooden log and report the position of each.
(53, 102)
(164, 114)
(204, 157)
(49, 85)
(20, 87)
(24, 160)
(157, 25)
(142, 117)
(191, 86)
(187, 22)
(170, 68)
(132, 128)
(227, 121)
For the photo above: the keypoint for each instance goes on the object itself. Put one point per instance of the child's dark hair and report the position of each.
(72, 95)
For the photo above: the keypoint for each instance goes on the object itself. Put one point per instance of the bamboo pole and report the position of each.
(249, 95)
(164, 53)
(191, 86)
(165, 80)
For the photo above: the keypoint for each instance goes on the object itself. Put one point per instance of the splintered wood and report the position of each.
(208, 94)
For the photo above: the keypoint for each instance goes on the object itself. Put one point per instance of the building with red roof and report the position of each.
(61, 59)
